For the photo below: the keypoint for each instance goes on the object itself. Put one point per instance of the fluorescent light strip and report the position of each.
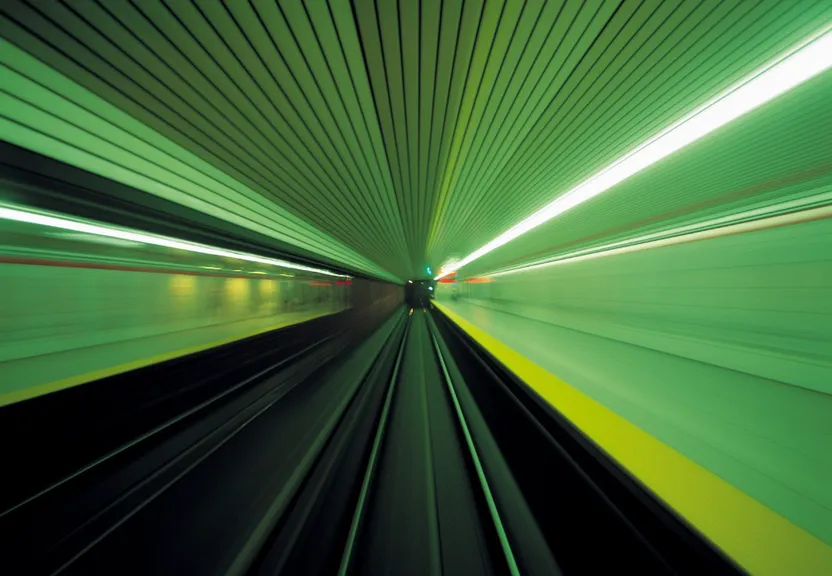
(801, 63)
(674, 237)
(17, 215)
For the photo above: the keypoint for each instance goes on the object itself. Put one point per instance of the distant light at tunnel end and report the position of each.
(802, 62)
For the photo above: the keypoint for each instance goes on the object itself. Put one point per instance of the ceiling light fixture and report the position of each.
(802, 62)
(15, 214)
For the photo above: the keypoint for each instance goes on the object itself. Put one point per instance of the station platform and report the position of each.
(36, 375)
(750, 468)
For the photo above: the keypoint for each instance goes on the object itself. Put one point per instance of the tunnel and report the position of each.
(419, 293)
(416, 287)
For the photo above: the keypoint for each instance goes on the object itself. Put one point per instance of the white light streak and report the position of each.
(8, 213)
(808, 59)
(681, 235)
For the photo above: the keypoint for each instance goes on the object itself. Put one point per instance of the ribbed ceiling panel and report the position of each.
(406, 132)
(777, 158)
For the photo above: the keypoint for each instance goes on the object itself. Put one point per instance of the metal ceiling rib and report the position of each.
(777, 158)
(43, 112)
(586, 124)
(402, 132)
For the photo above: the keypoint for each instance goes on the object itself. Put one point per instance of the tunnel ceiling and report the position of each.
(404, 133)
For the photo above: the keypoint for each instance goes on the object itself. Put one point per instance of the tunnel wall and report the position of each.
(366, 294)
(48, 309)
(719, 348)
(757, 303)
(76, 307)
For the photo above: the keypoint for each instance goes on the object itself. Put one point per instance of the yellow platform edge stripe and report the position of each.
(64, 383)
(754, 536)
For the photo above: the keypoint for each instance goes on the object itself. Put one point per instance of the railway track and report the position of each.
(411, 453)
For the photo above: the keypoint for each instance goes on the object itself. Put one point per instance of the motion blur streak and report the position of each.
(509, 287)
(691, 233)
(800, 64)
(7, 213)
